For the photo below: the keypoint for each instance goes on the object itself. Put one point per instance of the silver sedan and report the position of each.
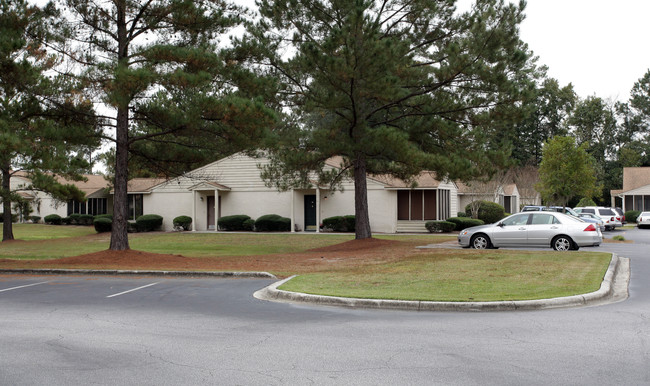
(548, 229)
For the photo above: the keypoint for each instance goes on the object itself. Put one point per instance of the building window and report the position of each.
(92, 206)
(135, 206)
(416, 205)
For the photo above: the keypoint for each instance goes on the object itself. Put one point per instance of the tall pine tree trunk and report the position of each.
(361, 199)
(119, 233)
(7, 226)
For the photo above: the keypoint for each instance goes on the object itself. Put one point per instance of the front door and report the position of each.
(310, 212)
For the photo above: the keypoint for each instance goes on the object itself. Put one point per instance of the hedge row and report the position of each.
(340, 223)
(266, 223)
(14, 217)
(439, 226)
(145, 223)
(452, 224)
(73, 219)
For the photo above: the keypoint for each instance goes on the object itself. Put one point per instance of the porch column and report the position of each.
(317, 209)
(293, 221)
(216, 210)
(193, 210)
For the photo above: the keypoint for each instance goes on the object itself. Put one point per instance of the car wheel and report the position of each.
(562, 243)
(480, 242)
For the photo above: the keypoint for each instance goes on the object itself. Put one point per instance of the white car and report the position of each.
(545, 229)
(610, 218)
(643, 220)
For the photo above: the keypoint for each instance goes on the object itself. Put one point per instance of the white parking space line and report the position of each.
(131, 290)
(23, 286)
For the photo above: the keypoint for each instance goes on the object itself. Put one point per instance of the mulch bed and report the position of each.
(345, 255)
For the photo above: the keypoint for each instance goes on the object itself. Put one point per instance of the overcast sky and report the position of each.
(601, 46)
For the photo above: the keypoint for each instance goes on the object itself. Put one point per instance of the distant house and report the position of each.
(635, 194)
(233, 185)
(98, 200)
(505, 195)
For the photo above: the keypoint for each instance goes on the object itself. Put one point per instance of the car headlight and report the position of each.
(463, 233)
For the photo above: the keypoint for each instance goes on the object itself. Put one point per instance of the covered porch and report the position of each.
(206, 205)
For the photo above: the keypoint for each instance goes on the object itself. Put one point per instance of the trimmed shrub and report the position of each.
(103, 224)
(53, 219)
(86, 219)
(439, 226)
(14, 217)
(272, 223)
(131, 227)
(183, 221)
(148, 222)
(350, 223)
(464, 222)
(340, 223)
(110, 216)
(34, 219)
(461, 214)
(334, 223)
(75, 219)
(631, 215)
(586, 201)
(489, 212)
(66, 221)
(248, 225)
(233, 223)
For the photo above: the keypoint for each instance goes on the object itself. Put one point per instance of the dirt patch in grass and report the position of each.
(348, 254)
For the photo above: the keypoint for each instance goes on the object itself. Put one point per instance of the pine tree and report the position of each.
(46, 128)
(393, 87)
(174, 92)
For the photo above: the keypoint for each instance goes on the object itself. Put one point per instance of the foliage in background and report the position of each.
(566, 171)
(586, 201)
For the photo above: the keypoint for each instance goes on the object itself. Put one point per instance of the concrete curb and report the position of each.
(118, 272)
(606, 291)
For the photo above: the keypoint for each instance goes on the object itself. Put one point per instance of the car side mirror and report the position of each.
(500, 225)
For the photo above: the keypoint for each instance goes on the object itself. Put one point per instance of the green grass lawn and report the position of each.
(438, 274)
(48, 232)
(465, 275)
(62, 241)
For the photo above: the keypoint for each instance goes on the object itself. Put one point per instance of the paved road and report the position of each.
(65, 330)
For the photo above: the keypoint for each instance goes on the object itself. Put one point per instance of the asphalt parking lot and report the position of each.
(80, 330)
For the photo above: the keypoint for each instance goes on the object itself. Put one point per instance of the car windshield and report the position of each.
(644, 214)
(606, 212)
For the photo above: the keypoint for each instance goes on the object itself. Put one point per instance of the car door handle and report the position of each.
(522, 229)
(555, 228)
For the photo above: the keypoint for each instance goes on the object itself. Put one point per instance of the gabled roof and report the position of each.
(209, 185)
(143, 185)
(94, 184)
(424, 180)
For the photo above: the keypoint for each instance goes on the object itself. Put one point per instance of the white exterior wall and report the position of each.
(43, 204)
(382, 206)
(169, 205)
(248, 195)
